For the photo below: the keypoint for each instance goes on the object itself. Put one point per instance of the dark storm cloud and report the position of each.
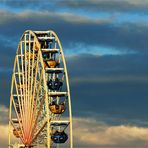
(114, 88)
(106, 5)
(5, 83)
(6, 65)
(13, 22)
(28, 4)
(7, 53)
(93, 5)
(121, 37)
(80, 29)
(109, 65)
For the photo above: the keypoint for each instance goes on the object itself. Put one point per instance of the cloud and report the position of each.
(104, 85)
(114, 86)
(7, 16)
(89, 132)
(16, 5)
(112, 89)
(5, 83)
(93, 5)
(3, 115)
(7, 53)
(107, 5)
(4, 136)
(3, 126)
(108, 66)
(81, 30)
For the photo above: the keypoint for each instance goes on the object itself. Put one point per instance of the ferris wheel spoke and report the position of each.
(34, 77)
(38, 112)
(32, 74)
(25, 80)
(19, 103)
(19, 90)
(32, 97)
(25, 87)
(28, 67)
(19, 121)
(17, 131)
(33, 88)
(38, 132)
(34, 108)
(37, 90)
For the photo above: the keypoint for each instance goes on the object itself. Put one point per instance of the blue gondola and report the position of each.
(59, 137)
(54, 71)
(17, 107)
(45, 55)
(15, 98)
(54, 85)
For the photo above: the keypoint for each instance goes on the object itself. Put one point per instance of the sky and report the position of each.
(106, 48)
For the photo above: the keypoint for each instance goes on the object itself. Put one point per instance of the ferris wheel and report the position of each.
(40, 114)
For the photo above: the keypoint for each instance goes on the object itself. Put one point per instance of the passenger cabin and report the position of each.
(17, 107)
(17, 132)
(50, 63)
(20, 86)
(54, 85)
(58, 134)
(59, 137)
(57, 108)
(30, 56)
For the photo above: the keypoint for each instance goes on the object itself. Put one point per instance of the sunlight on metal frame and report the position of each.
(40, 113)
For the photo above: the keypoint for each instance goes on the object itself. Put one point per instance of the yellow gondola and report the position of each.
(20, 86)
(17, 132)
(57, 108)
(35, 47)
(50, 63)
(30, 56)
